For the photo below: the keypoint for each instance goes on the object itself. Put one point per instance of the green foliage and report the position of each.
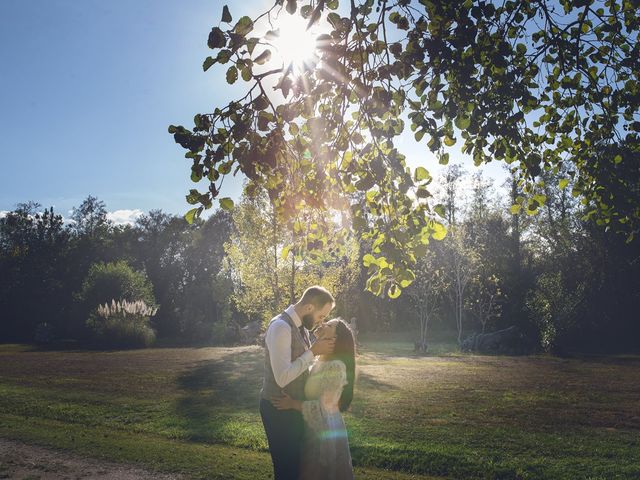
(90, 217)
(530, 85)
(273, 262)
(114, 280)
(34, 264)
(553, 307)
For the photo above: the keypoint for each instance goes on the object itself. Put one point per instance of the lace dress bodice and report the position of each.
(326, 452)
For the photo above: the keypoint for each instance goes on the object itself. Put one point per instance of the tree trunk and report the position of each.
(292, 285)
(276, 286)
(515, 225)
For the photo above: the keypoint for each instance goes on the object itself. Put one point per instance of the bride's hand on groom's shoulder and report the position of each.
(285, 402)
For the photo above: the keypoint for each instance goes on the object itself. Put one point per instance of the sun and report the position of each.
(295, 45)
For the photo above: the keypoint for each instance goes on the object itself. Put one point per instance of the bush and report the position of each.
(122, 324)
(116, 280)
(553, 307)
(106, 281)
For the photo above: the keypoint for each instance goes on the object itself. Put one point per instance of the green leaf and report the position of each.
(223, 56)
(394, 291)
(563, 183)
(334, 19)
(440, 210)
(448, 141)
(369, 260)
(374, 284)
(315, 16)
(617, 159)
(515, 209)
(421, 174)
(244, 26)
(207, 63)
(226, 15)
(226, 203)
(191, 214)
(216, 38)
(261, 102)
(193, 196)
(263, 57)
(541, 199)
(232, 75)
(439, 231)
(462, 122)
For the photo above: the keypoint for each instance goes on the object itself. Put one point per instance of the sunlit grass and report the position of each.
(460, 416)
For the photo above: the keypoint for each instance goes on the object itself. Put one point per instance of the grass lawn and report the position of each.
(194, 410)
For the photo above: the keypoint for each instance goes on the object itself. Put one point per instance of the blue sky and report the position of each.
(88, 89)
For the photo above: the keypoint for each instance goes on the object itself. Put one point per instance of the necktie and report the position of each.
(304, 336)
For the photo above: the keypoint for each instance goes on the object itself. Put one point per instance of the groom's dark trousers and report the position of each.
(285, 430)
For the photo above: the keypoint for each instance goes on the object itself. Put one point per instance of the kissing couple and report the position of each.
(305, 389)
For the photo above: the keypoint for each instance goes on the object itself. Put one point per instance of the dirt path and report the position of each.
(28, 462)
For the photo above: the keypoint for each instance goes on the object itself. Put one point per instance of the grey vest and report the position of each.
(295, 389)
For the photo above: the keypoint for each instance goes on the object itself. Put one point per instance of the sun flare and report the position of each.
(295, 45)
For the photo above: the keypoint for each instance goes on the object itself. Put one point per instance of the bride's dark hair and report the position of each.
(345, 351)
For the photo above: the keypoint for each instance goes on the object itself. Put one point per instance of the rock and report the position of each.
(250, 334)
(509, 341)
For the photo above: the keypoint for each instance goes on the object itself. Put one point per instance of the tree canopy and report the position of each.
(544, 86)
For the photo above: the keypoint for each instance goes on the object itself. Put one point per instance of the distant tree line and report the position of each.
(566, 282)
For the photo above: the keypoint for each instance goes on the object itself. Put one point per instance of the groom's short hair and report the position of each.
(317, 296)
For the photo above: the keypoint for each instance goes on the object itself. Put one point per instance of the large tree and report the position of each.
(34, 264)
(269, 275)
(536, 84)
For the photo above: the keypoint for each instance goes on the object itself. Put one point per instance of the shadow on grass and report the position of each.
(369, 382)
(221, 399)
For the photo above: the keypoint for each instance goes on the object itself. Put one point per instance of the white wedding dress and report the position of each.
(325, 453)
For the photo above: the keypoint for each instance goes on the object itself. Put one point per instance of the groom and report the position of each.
(288, 356)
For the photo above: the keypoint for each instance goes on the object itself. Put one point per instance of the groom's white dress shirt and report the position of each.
(278, 340)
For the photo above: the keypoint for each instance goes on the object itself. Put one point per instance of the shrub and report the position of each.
(553, 306)
(106, 281)
(115, 280)
(122, 324)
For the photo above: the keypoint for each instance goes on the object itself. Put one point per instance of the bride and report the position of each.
(328, 392)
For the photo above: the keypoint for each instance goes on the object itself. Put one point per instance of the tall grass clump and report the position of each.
(122, 324)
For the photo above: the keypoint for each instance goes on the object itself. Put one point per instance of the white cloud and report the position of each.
(3, 213)
(124, 217)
